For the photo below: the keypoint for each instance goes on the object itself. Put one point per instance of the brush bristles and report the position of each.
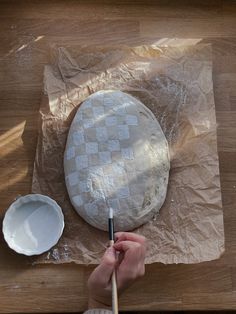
(111, 213)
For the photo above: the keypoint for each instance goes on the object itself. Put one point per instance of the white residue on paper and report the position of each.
(55, 254)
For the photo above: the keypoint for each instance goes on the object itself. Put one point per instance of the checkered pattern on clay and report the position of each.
(102, 171)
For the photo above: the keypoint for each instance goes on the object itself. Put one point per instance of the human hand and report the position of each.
(129, 266)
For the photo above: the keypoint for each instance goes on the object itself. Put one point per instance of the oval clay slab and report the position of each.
(116, 156)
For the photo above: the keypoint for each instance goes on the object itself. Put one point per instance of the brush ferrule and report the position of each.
(111, 229)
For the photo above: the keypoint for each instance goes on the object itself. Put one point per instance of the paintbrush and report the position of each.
(113, 278)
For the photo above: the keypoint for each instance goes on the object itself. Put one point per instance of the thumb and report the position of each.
(104, 271)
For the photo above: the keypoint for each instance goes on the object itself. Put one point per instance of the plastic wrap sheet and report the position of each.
(176, 84)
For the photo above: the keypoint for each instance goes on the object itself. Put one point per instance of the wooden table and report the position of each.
(26, 29)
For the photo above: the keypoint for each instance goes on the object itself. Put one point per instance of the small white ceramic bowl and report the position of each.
(33, 224)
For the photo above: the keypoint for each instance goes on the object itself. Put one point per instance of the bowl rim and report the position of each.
(26, 199)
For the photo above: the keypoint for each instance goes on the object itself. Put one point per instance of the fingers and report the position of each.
(129, 266)
(101, 275)
(123, 236)
(132, 265)
(120, 257)
(134, 251)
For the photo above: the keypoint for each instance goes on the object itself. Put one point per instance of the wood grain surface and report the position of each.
(26, 30)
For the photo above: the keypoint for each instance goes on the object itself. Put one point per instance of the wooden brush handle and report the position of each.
(114, 294)
(114, 289)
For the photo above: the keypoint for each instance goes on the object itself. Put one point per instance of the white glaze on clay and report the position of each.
(116, 155)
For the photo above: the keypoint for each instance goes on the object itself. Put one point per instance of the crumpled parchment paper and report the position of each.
(176, 84)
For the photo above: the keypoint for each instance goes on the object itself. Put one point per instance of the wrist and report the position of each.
(95, 304)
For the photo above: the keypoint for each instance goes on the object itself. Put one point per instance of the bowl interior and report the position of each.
(33, 227)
